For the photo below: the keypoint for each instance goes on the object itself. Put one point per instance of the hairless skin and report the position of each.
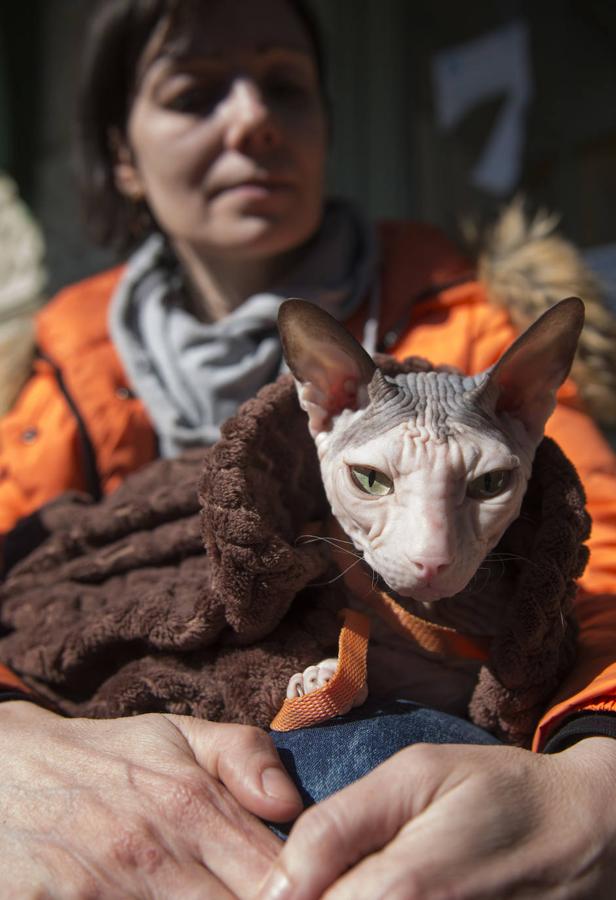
(424, 472)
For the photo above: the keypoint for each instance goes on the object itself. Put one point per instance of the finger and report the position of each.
(408, 867)
(238, 848)
(190, 881)
(192, 818)
(401, 871)
(246, 761)
(372, 879)
(472, 843)
(433, 855)
(338, 832)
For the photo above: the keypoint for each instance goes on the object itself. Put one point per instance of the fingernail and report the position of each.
(277, 887)
(276, 784)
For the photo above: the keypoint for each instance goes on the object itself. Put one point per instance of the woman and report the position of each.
(204, 127)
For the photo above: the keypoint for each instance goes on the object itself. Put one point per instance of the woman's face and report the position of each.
(226, 140)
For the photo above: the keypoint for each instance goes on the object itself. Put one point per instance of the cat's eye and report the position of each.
(490, 484)
(371, 481)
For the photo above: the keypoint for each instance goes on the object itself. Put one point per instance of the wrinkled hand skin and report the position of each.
(461, 822)
(150, 806)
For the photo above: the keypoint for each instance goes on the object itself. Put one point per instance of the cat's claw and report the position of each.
(314, 677)
(311, 679)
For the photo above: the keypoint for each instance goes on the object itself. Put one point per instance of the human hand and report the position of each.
(464, 821)
(150, 806)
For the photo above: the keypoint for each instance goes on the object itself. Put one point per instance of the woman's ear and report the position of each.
(125, 173)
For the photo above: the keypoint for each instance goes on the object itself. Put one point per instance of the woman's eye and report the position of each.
(285, 86)
(196, 100)
(490, 484)
(371, 481)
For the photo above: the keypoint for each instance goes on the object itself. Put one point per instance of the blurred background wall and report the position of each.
(440, 109)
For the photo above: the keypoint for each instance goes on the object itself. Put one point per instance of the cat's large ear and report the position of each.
(332, 368)
(530, 372)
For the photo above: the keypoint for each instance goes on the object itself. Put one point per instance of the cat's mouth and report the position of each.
(423, 595)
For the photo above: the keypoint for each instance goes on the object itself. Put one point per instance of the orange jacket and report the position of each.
(431, 306)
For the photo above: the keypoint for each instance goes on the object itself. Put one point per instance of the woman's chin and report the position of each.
(257, 235)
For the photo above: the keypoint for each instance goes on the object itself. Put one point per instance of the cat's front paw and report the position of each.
(314, 677)
(311, 679)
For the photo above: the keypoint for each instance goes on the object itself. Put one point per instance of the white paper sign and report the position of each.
(465, 76)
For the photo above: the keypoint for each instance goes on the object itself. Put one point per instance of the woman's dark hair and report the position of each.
(119, 33)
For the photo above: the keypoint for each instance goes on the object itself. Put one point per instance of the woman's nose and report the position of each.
(249, 118)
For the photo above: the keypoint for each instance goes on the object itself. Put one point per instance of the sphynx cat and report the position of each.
(424, 472)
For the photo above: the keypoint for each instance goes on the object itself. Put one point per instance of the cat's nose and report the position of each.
(428, 570)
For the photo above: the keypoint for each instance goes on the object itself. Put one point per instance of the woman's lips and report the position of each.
(252, 188)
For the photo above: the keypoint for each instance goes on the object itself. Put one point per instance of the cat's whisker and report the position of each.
(502, 554)
(512, 557)
(339, 575)
(373, 579)
(502, 568)
(321, 537)
(332, 540)
(493, 574)
(313, 538)
(524, 517)
(502, 573)
(486, 571)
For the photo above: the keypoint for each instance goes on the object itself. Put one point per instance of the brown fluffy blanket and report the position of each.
(120, 610)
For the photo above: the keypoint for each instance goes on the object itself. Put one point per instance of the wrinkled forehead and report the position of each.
(220, 30)
(410, 450)
(439, 403)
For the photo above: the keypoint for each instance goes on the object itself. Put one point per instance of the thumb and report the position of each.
(245, 760)
(354, 823)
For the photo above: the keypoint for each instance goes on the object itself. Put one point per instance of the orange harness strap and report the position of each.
(338, 694)
(433, 638)
(336, 697)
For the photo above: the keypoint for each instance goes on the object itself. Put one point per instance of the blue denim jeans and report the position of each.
(325, 758)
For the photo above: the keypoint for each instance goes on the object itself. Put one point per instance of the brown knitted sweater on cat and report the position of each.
(120, 611)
